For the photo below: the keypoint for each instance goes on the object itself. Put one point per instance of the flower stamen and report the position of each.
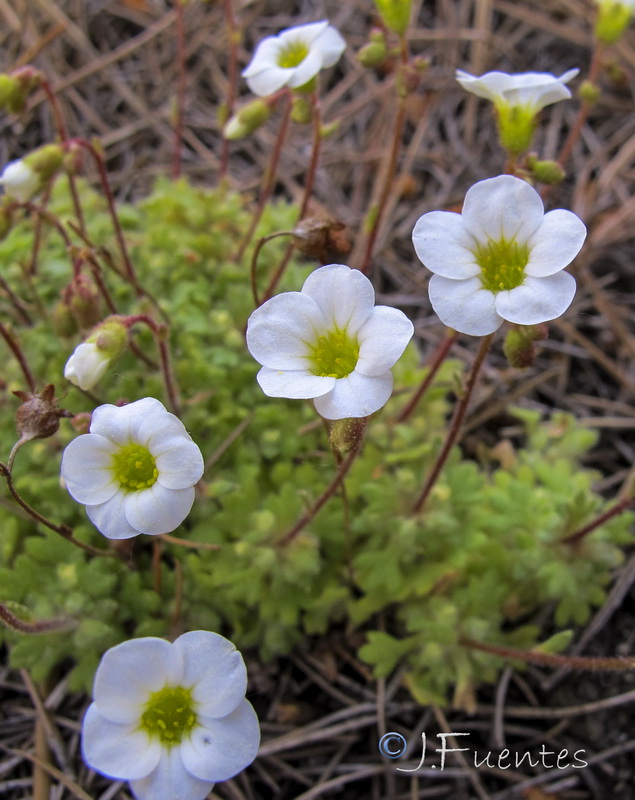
(169, 715)
(335, 355)
(502, 264)
(135, 468)
(292, 54)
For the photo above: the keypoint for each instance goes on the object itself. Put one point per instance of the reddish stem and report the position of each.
(20, 357)
(618, 508)
(433, 368)
(455, 424)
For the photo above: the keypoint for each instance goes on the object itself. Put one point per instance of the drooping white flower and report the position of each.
(293, 57)
(500, 259)
(530, 90)
(20, 181)
(86, 365)
(517, 100)
(135, 471)
(171, 718)
(90, 360)
(329, 342)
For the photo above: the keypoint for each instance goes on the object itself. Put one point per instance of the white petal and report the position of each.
(221, 748)
(20, 181)
(130, 671)
(86, 469)
(382, 338)
(502, 207)
(216, 672)
(281, 332)
(269, 80)
(121, 423)
(307, 33)
(180, 466)
(444, 245)
(308, 68)
(293, 384)
(86, 366)
(464, 305)
(110, 517)
(555, 244)
(489, 86)
(345, 296)
(265, 56)
(332, 45)
(158, 428)
(171, 781)
(537, 300)
(118, 751)
(355, 395)
(157, 509)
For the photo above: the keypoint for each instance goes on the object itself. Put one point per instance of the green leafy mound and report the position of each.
(479, 563)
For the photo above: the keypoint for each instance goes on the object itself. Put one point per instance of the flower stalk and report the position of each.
(455, 425)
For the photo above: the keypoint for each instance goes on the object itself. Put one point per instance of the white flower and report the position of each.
(86, 365)
(20, 181)
(530, 90)
(135, 471)
(501, 259)
(329, 342)
(171, 718)
(293, 57)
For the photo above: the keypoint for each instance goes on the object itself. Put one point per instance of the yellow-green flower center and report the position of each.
(169, 715)
(292, 54)
(334, 355)
(502, 264)
(134, 468)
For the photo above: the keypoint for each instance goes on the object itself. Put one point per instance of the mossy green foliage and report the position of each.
(480, 561)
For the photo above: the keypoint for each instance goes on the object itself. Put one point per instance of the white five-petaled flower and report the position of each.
(171, 718)
(293, 57)
(329, 342)
(500, 259)
(20, 181)
(135, 471)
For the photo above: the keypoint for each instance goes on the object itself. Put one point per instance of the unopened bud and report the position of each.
(347, 434)
(374, 53)
(247, 120)
(82, 298)
(395, 14)
(90, 359)
(519, 346)
(549, 172)
(589, 92)
(301, 110)
(612, 21)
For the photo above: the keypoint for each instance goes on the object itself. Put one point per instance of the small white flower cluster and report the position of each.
(171, 718)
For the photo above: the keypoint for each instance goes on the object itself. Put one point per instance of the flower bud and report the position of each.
(247, 120)
(589, 93)
(38, 417)
(91, 358)
(20, 181)
(375, 52)
(395, 14)
(612, 21)
(347, 434)
(549, 172)
(82, 299)
(301, 110)
(8, 90)
(519, 346)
